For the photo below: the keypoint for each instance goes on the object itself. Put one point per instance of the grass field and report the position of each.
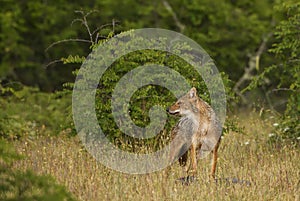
(274, 171)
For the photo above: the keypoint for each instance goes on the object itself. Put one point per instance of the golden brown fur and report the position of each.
(197, 130)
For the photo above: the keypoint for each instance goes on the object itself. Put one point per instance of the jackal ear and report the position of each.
(193, 92)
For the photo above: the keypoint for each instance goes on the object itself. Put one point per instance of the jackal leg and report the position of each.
(214, 160)
(193, 159)
(183, 159)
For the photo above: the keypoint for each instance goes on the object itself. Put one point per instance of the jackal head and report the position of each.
(186, 105)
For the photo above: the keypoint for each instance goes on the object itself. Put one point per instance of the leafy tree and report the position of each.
(286, 73)
(144, 98)
(27, 29)
(288, 50)
(230, 31)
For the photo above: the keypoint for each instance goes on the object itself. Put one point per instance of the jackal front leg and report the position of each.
(214, 160)
(193, 160)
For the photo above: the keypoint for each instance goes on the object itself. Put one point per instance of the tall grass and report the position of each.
(273, 171)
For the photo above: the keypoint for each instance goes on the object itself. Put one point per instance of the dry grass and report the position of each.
(274, 172)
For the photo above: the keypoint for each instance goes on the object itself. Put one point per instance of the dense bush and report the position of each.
(145, 97)
(26, 111)
(287, 70)
(288, 50)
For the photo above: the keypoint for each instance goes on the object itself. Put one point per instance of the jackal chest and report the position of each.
(186, 127)
(200, 134)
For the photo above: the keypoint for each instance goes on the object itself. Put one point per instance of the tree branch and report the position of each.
(175, 18)
(94, 35)
(67, 40)
(253, 64)
(52, 62)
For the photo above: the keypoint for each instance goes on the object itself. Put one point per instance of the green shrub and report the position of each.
(287, 50)
(26, 111)
(144, 98)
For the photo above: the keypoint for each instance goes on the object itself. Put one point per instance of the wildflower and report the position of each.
(276, 124)
(286, 129)
(271, 134)
(246, 143)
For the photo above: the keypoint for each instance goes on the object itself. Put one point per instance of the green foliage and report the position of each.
(73, 59)
(7, 153)
(287, 48)
(18, 185)
(29, 112)
(229, 31)
(144, 98)
(287, 70)
(27, 29)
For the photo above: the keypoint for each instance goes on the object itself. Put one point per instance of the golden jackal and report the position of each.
(198, 130)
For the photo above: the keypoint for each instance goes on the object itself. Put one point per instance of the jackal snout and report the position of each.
(185, 105)
(174, 109)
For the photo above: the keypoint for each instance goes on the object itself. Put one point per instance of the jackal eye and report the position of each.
(179, 102)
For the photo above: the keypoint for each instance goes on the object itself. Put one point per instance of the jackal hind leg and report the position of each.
(183, 159)
(214, 160)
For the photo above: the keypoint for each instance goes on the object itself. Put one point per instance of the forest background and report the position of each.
(254, 44)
